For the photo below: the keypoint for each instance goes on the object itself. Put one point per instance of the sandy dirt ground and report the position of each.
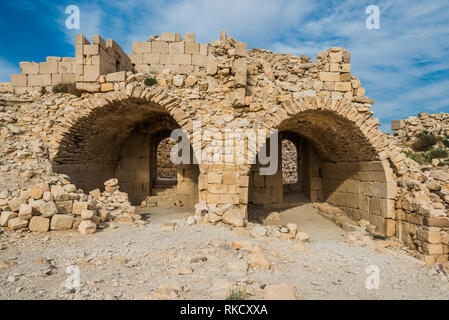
(127, 261)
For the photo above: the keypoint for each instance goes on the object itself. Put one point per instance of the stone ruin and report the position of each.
(68, 146)
(437, 123)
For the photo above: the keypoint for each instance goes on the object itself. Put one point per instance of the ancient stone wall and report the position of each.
(114, 131)
(133, 167)
(170, 52)
(363, 190)
(99, 59)
(436, 123)
(46, 74)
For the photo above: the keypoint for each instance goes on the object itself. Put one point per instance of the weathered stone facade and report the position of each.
(34, 75)
(114, 131)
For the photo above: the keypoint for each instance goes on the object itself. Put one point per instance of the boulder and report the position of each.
(25, 212)
(64, 207)
(38, 190)
(111, 185)
(433, 186)
(292, 228)
(79, 207)
(70, 188)
(48, 209)
(95, 193)
(61, 222)
(440, 175)
(39, 224)
(274, 216)
(60, 195)
(17, 223)
(5, 217)
(213, 218)
(14, 203)
(87, 214)
(47, 196)
(201, 209)
(104, 215)
(87, 227)
(302, 236)
(234, 218)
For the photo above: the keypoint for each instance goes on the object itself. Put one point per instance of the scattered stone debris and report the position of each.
(59, 205)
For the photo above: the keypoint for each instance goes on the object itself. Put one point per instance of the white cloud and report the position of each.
(400, 65)
(259, 21)
(91, 19)
(6, 69)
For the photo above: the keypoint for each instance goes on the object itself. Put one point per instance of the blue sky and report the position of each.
(404, 66)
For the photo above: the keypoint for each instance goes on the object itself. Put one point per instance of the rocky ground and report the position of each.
(162, 260)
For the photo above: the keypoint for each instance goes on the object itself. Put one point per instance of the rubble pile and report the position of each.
(59, 205)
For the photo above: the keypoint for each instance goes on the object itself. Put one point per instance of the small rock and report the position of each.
(198, 259)
(353, 236)
(433, 186)
(440, 175)
(302, 236)
(6, 264)
(292, 228)
(191, 221)
(242, 245)
(213, 218)
(257, 259)
(25, 211)
(234, 218)
(5, 217)
(181, 271)
(61, 222)
(168, 226)
(87, 214)
(281, 291)
(274, 216)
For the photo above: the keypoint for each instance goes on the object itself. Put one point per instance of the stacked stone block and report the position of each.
(423, 228)
(266, 190)
(363, 190)
(335, 79)
(36, 76)
(169, 52)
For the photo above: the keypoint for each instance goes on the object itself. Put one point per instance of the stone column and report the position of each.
(224, 193)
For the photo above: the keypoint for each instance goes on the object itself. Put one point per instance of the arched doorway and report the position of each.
(120, 140)
(336, 164)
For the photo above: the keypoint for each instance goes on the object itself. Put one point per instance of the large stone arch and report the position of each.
(345, 159)
(106, 136)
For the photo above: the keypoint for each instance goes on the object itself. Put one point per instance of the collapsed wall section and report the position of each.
(437, 123)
